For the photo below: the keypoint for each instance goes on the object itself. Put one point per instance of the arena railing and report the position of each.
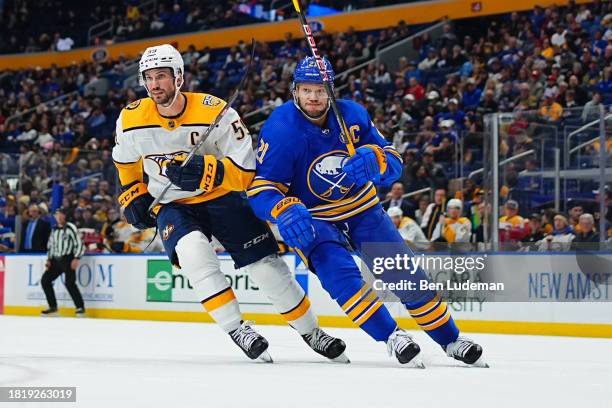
(105, 27)
(381, 53)
(568, 149)
(50, 103)
(391, 54)
(546, 181)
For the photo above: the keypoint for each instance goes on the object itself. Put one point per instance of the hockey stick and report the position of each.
(215, 123)
(345, 136)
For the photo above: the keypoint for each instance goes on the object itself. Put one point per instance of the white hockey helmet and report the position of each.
(455, 203)
(161, 56)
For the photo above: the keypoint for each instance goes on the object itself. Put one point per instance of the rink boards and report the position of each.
(146, 287)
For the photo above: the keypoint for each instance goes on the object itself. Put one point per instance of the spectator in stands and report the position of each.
(536, 232)
(558, 38)
(116, 232)
(421, 177)
(395, 199)
(452, 227)
(512, 227)
(561, 237)
(488, 104)
(605, 85)
(8, 215)
(592, 109)
(35, 232)
(550, 110)
(430, 61)
(423, 203)
(579, 91)
(548, 216)
(471, 95)
(575, 211)
(435, 172)
(454, 113)
(88, 221)
(473, 213)
(433, 213)
(484, 216)
(415, 89)
(408, 229)
(586, 236)
(525, 100)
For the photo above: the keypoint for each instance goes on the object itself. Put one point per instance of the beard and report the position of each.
(164, 98)
(314, 112)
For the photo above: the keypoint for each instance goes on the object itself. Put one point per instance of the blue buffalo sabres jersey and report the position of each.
(300, 159)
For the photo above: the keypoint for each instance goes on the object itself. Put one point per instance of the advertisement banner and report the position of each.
(148, 287)
(166, 283)
(132, 282)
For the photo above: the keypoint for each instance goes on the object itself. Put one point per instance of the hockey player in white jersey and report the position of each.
(154, 135)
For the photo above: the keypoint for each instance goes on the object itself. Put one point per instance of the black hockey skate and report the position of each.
(466, 351)
(326, 345)
(404, 348)
(52, 311)
(253, 344)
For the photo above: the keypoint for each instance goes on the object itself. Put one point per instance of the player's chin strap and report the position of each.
(297, 105)
(177, 90)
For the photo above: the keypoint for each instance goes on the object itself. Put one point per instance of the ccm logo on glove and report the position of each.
(201, 172)
(209, 175)
(135, 201)
(132, 193)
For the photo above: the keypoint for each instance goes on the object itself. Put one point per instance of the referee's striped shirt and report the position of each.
(65, 241)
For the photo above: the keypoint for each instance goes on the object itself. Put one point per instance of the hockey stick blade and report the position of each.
(213, 125)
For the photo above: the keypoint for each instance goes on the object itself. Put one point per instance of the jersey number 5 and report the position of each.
(239, 129)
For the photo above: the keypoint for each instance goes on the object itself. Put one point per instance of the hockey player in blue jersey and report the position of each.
(323, 199)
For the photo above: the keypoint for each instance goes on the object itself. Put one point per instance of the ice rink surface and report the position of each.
(123, 363)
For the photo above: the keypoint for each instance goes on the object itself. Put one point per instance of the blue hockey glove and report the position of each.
(294, 222)
(201, 172)
(368, 164)
(135, 201)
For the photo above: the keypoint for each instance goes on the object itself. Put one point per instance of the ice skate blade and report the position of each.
(480, 363)
(56, 314)
(265, 357)
(341, 359)
(416, 362)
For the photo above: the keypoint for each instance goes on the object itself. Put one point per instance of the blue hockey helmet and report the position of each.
(307, 71)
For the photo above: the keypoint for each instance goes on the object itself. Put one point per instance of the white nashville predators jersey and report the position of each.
(146, 142)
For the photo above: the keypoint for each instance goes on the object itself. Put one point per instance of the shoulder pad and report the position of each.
(138, 113)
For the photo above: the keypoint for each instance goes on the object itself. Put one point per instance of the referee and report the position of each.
(65, 249)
